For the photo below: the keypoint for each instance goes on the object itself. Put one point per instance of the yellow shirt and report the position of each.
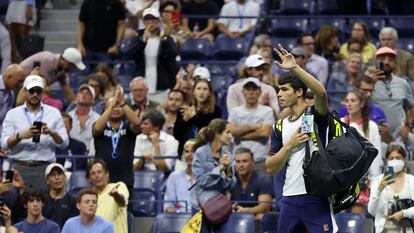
(109, 209)
(368, 52)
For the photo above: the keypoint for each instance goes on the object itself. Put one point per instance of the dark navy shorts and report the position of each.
(305, 213)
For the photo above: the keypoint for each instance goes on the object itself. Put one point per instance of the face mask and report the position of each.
(397, 164)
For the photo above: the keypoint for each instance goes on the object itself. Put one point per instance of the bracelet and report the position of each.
(18, 137)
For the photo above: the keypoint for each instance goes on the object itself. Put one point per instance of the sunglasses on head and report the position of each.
(36, 90)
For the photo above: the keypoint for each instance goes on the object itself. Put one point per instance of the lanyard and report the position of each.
(240, 13)
(29, 119)
(115, 138)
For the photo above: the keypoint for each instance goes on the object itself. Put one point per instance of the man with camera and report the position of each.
(31, 132)
(391, 91)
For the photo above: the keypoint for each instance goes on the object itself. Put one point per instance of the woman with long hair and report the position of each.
(360, 31)
(327, 43)
(387, 188)
(104, 73)
(211, 166)
(359, 117)
(192, 118)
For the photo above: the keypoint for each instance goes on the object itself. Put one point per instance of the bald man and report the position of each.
(11, 80)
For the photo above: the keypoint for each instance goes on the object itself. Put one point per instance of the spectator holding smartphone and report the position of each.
(31, 158)
(386, 189)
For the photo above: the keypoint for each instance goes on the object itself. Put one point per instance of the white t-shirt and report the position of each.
(233, 8)
(83, 135)
(151, 55)
(261, 115)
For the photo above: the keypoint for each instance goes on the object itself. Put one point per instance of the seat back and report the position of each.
(238, 222)
(326, 7)
(291, 27)
(289, 7)
(226, 48)
(287, 43)
(170, 222)
(270, 223)
(350, 222)
(124, 73)
(146, 192)
(195, 49)
(77, 182)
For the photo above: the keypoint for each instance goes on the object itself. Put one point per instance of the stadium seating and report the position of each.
(147, 192)
(350, 222)
(77, 182)
(316, 23)
(226, 48)
(289, 27)
(406, 44)
(289, 7)
(326, 7)
(77, 76)
(238, 222)
(374, 25)
(170, 222)
(403, 26)
(124, 73)
(195, 49)
(270, 223)
(288, 43)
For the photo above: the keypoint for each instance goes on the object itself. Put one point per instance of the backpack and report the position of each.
(344, 198)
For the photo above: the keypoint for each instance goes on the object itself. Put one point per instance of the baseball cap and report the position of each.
(73, 56)
(202, 72)
(255, 81)
(385, 50)
(33, 81)
(254, 61)
(298, 51)
(151, 11)
(51, 166)
(89, 88)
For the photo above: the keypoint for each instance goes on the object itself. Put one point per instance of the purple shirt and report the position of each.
(376, 115)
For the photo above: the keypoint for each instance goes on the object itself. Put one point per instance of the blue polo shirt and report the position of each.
(259, 184)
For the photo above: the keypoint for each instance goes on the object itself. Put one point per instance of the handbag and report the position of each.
(401, 204)
(340, 165)
(217, 209)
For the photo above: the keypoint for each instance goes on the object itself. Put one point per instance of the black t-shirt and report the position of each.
(206, 8)
(101, 22)
(60, 210)
(120, 168)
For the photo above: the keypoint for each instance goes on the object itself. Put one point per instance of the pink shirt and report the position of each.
(48, 65)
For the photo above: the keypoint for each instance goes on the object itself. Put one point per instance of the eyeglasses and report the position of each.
(389, 93)
(36, 90)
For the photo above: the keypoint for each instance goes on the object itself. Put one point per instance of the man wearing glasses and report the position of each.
(391, 92)
(31, 132)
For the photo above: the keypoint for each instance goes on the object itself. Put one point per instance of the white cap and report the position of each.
(254, 61)
(33, 81)
(89, 88)
(252, 80)
(202, 72)
(151, 11)
(73, 56)
(50, 167)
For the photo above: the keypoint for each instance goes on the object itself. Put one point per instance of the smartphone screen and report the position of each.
(380, 65)
(38, 125)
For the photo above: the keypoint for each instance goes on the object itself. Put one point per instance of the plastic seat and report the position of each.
(326, 7)
(316, 23)
(220, 83)
(146, 192)
(77, 182)
(170, 222)
(195, 49)
(287, 43)
(406, 44)
(374, 25)
(124, 73)
(289, 27)
(270, 223)
(238, 222)
(226, 48)
(218, 68)
(76, 77)
(350, 222)
(289, 7)
(130, 219)
(403, 26)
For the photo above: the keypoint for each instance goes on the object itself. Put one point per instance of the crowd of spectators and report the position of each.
(125, 129)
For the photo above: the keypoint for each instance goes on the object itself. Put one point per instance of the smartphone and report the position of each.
(38, 125)
(36, 64)
(388, 170)
(307, 124)
(380, 65)
(175, 18)
(9, 175)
